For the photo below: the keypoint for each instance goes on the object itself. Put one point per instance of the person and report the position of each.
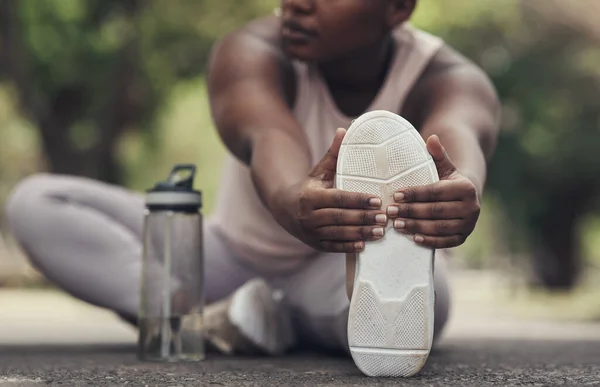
(279, 88)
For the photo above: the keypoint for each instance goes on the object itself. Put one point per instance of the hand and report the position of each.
(326, 218)
(440, 215)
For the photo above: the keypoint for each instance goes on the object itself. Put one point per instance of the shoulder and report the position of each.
(450, 76)
(450, 68)
(252, 50)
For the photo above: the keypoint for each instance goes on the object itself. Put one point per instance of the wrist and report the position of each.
(476, 180)
(275, 201)
(278, 203)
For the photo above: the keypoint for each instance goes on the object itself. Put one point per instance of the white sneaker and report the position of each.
(390, 324)
(254, 320)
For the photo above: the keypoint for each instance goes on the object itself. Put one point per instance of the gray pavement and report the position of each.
(456, 363)
(48, 338)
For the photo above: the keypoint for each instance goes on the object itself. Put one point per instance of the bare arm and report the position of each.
(461, 107)
(251, 91)
(459, 118)
(250, 103)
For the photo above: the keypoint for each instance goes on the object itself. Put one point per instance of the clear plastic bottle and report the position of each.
(170, 317)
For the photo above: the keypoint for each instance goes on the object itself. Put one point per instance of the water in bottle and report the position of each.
(171, 305)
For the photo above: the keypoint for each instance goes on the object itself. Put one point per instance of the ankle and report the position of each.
(350, 273)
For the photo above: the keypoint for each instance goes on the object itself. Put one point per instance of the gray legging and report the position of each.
(85, 236)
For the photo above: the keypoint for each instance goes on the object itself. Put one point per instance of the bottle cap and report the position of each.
(176, 193)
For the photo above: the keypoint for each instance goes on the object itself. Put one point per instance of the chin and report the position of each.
(303, 53)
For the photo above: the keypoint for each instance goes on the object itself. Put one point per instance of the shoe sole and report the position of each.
(390, 323)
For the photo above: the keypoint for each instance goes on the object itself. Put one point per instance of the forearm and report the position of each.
(467, 153)
(461, 107)
(278, 161)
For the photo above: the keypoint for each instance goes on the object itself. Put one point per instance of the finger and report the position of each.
(335, 198)
(430, 211)
(350, 233)
(441, 191)
(444, 165)
(342, 217)
(430, 227)
(439, 242)
(342, 247)
(325, 169)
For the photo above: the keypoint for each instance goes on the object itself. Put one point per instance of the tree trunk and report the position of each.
(557, 257)
(99, 162)
(56, 111)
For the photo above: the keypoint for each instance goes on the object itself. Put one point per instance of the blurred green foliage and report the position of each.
(86, 71)
(544, 175)
(116, 87)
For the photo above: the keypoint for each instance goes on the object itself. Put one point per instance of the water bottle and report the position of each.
(171, 305)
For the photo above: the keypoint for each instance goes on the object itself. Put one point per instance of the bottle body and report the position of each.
(170, 317)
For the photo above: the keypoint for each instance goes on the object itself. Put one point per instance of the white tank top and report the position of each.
(240, 217)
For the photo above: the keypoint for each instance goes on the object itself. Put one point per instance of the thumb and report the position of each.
(325, 169)
(444, 165)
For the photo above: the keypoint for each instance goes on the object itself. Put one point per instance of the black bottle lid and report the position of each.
(176, 193)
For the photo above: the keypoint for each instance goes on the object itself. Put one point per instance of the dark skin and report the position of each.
(252, 88)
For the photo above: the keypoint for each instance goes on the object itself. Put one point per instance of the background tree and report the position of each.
(92, 75)
(85, 71)
(542, 56)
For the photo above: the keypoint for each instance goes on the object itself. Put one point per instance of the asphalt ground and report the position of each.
(49, 338)
(455, 363)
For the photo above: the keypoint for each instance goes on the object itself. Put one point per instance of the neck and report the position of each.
(364, 69)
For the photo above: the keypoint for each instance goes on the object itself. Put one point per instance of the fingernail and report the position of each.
(358, 246)
(392, 210)
(419, 239)
(375, 202)
(381, 218)
(399, 196)
(378, 231)
(399, 224)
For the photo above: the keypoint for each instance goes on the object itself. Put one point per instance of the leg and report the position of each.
(82, 235)
(318, 298)
(442, 293)
(86, 237)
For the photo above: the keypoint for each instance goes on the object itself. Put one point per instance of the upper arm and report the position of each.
(458, 101)
(251, 91)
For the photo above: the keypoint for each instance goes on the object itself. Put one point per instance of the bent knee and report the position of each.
(24, 202)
